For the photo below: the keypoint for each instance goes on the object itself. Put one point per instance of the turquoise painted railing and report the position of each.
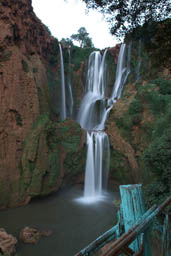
(127, 243)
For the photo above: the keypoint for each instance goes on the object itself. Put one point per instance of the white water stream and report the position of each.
(70, 97)
(63, 114)
(66, 105)
(97, 165)
(93, 113)
(92, 117)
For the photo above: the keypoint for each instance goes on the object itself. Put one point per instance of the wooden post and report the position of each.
(133, 208)
(165, 237)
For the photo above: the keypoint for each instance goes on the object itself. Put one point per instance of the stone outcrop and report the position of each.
(29, 101)
(30, 235)
(7, 243)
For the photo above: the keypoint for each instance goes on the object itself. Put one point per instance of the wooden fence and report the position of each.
(120, 243)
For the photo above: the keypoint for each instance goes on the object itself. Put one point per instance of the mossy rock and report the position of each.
(120, 169)
(47, 150)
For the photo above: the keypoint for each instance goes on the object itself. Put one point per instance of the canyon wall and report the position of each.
(34, 148)
(37, 151)
(138, 125)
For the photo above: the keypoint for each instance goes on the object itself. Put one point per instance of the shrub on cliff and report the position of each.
(158, 160)
(79, 55)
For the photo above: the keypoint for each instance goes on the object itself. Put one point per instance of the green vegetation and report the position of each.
(123, 17)
(155, 97)
(47, 153)
(158, 160)
(164, 86)
(155, 38)
(79, 55)
(124, 124)
(135, 107)
(145, 124)
(83, 38)
(157, 156)
(120, 166)
(67, 42)
(53, 53)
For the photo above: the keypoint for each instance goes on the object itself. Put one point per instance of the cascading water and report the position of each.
(96, 74)
(93, 104)
(70, 97)
(66, 107)
(97, 165)
(92, 117)
(128, 68)
(122, 72)
(63, 114)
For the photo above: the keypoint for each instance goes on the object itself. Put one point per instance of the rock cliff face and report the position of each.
(138, 125)
(29, 59)
(37, 152)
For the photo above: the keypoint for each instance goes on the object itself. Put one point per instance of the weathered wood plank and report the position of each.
(127, 238)
(124, 241)
(128, 251)
(111, 232)
(165, 236)
(133, 208)
(107, 236)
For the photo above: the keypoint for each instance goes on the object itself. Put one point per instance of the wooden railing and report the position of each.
(121, 245)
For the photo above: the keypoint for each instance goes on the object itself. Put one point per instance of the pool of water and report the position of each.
(74, 224)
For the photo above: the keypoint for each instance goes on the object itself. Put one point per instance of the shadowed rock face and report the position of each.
(22, 42)
(7, 243)
(27, 60)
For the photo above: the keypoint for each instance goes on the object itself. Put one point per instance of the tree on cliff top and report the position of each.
(125, 15)
(67, 42)
(83, 38)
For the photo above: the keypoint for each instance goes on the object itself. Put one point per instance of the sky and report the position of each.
(64, 18)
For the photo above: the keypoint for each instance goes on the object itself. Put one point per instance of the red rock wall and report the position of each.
(24, 45)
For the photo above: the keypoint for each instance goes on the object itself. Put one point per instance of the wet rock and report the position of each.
(32, 235)
(7, 242)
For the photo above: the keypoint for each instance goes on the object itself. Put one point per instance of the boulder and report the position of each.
(32, 235)
(7, 242)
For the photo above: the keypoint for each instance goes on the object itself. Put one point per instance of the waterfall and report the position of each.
(63, 96)
(70, 97)
(122, 72)
(121, 69)
(96, 74)
(106, 111)
(93, 104)
(66, 91)
(97, 165)
(92, 116)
